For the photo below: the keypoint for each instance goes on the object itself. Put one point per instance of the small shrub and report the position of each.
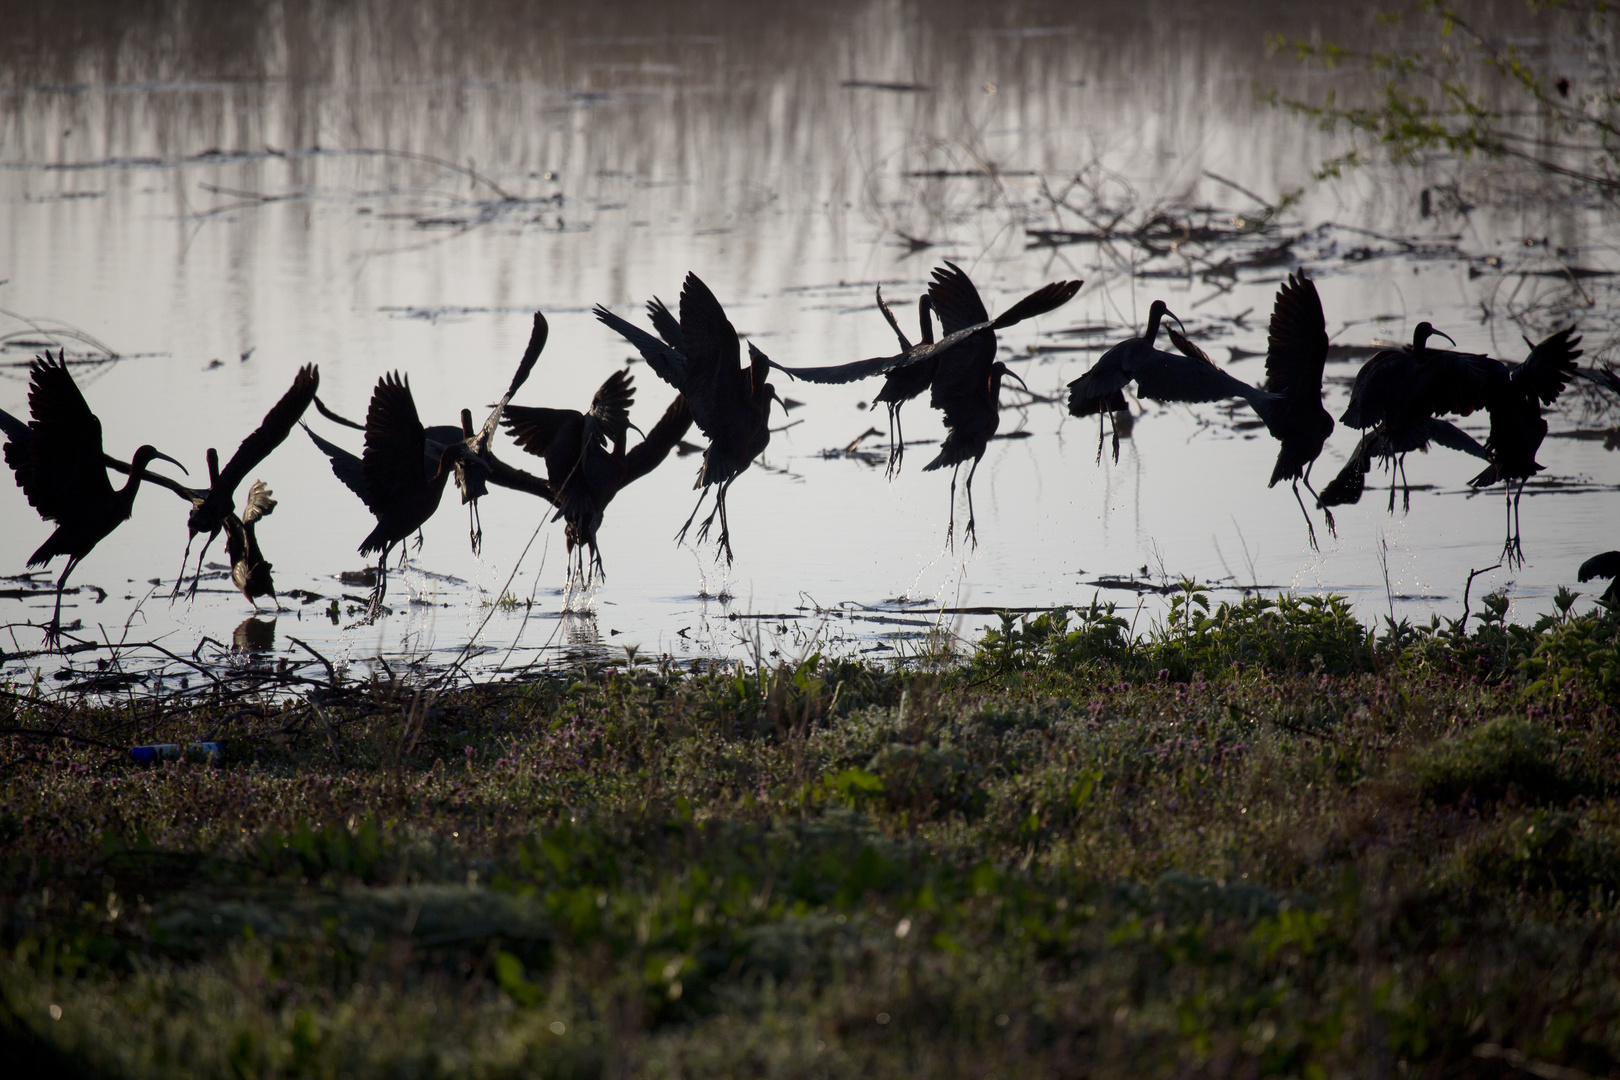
(1506, 755)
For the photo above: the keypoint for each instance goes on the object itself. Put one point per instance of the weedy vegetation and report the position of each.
(1257, 838)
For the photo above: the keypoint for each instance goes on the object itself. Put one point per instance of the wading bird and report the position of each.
(1187, 375)
(400, 476)
(1606, 565)
(470, 472)
(902, 384)
(966, 385)
(249, 572)
(60, 466)
(210, 507)
(1399, 393)
(702, 358)
(1296, 351)
(1517, 426)
(586, 461)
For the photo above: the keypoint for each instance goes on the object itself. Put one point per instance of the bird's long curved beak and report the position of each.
(1448, 337)
(1011, 374)
(1179, 323)
(166, 457)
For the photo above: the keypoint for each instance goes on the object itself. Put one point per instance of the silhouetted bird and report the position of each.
(1398, 393)
(249, 571)
(1187, 375)
(1606, 565)
(59, 464)
(586, 461)
(210, 507)
(400, 476)
(1296, 351)
(701, 357)
(966, 385)
(902, 384)
(470, 472)
(1517, 427)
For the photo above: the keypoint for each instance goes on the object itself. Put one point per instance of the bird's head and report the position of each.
(144, 456)
(1158, 311)
(1000, 370)
(455, 454)
(466, 424)
(1423, 331)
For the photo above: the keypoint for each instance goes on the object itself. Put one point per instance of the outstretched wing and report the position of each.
(396, 445)
(345, 466)
(955, 299)
(1046, 298)
(1452, 437)
(259, 503)
(1549, 367)
(713, 357)
(531, 353)
(609, 417)
(667, 325)
(271, 433)
(667, 363)
(62, 464)
(648, 454)
(1296, 348)
(535, 429)
(1164, 376)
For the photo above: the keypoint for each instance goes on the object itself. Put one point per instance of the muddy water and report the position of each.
(218, 195)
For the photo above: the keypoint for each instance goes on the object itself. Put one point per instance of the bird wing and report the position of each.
(1296, 348)
(650, 452)
(65, 467)
(1461, 383)
(15, 430)
(667, 325)
(1452, 437)
(1378, 385)
(236, 545)
(1549, 367)
(1606, 565)
(393, 461)
(894, 324)
(259, 503)
(1100, 388)
(1046, 298)
(955, 299)
(609, 417)
(320, 407)
(714, 387)
(1164, 376)
(535, 429)
(345, 466)
(271, 433)
(531, 353)
(667, 363)
(517, 479)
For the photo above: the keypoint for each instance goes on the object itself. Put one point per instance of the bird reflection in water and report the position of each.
(254, 636)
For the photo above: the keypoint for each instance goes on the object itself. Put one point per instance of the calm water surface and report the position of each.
(218, 195)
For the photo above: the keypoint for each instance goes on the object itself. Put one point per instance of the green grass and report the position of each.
(1257, 839)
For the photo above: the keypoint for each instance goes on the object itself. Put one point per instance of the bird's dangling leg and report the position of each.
(418, 547)
(1101, 433)
(680, 536)
(380, 590)
(1513, 547)
(971, 532)
(196, 575)
(897, 441)
(1333, 529)
(1310, 528)
(950, 527)
(1393, 473)
(53, 632)
(185, 560)
(1406, 489)
(475, 527)
(725, 525)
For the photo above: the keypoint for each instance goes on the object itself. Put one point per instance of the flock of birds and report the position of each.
(1399, 401)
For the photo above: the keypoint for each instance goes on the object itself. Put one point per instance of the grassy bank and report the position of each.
(1259, 839)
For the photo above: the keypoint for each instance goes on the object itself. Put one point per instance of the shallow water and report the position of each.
(219, 196)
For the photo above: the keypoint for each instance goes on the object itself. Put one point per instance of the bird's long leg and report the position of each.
(681, 535)
(380, 590)
(1309, 527)
(1393, 470)
(53, 632)
(418, 547)
(184, 562)
(1513, 547)
(950, 528)
(1101, 431)
(897, 441)
(1406, 488)
(196, 576)
(1333, 529)
(725, 525)
(475, 527)
(971, 533)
